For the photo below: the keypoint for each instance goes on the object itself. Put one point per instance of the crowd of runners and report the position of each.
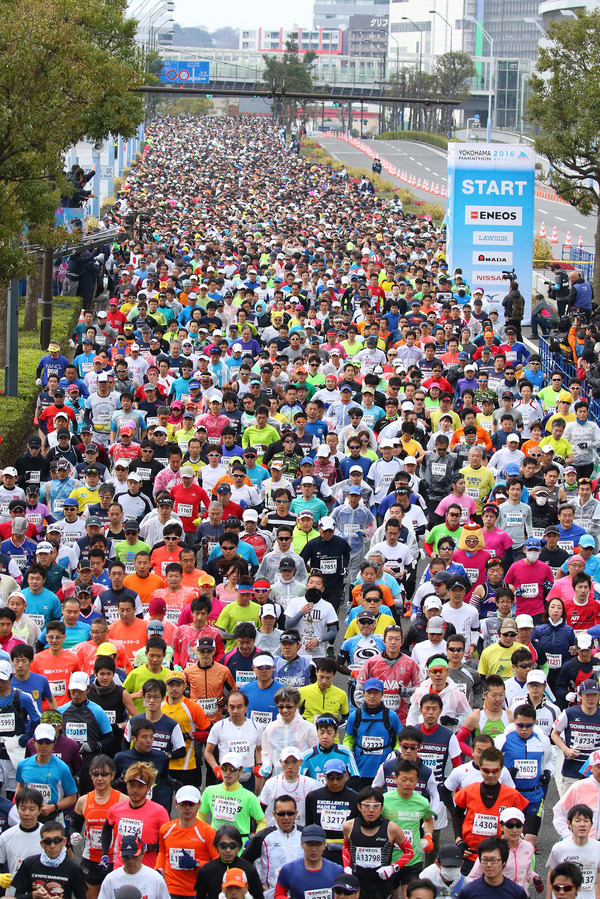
(299, 565)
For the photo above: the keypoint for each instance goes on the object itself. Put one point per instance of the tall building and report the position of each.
(337, 13)
(321, 40)
(551, 10)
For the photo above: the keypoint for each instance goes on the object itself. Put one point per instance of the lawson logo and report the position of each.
(491, 215)
(497, 238)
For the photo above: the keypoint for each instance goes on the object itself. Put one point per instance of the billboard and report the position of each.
(177, 72)
(490, 217)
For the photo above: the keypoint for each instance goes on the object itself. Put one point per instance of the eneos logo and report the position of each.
(493, 215)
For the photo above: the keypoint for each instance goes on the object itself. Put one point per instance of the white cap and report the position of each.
(44, 732)
(435, 625)
(263, 659)
(288, 751)
(584, 641)
(514, 438)
(187, 471)
(407, 406)
(410, 460)
(386, 444)
(6, 670)
(236, 347)
(327, 523)
(188, 794)
(536, 676)
(11, 471)
(307, 481)
(432, 602)
(231, 758)
(524, 621)
(79, 681)
(44, 547)
(102, 376)
(133, 475)
(355, 468)
(512, 814)
(268, 609)
(323, 450)
(250, 515)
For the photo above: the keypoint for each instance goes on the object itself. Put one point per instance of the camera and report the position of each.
(510, 275)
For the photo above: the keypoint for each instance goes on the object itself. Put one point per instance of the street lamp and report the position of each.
(490, 40)
(434, 12)
(420, 30)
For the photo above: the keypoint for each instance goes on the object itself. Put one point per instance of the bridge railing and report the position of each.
(555, 361)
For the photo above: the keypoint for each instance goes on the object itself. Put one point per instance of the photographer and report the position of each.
(559, 289)
(514, 306)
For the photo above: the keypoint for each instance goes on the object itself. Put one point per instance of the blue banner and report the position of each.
(490, 218)
(177, 72)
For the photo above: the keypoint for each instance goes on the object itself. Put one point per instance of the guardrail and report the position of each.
(584, 259)
(556, 361)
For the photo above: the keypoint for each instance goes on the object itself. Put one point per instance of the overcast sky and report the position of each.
(241, 14)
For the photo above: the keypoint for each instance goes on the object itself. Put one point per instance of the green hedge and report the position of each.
(436, 140)
(16, 413)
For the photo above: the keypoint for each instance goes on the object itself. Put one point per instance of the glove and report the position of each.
(538, 884)
(513, 772)
(187, 862)
(464, 847)
(23, 740)
(386, 872)
(426, 844)
(105, 862)
(38, 382)
(90, 747)
(448, 721)
(75, 838)
(256, 771)
(197, 521)
(347, 870)
(177, 668)
(217, 772)
(571, 697)
(545, 779)
(5, 881)
(360, 533)
(265, 769)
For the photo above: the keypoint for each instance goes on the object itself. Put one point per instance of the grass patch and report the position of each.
(16, 413)
(436, 140)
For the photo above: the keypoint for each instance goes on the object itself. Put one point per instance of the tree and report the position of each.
(71, 67)
(185, 105)
(290, 74)
(565, 106)
(460, 65)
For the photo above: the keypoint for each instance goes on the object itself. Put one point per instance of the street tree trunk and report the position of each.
(3, 318)
(34, 289)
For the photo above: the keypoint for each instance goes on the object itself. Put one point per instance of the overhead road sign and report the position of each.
(177, 72)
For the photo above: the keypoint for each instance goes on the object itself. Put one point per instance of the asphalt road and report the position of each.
(430, 163)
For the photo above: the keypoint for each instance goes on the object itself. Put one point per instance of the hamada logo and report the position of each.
(493, 215)
(492, 257)
(475, 155)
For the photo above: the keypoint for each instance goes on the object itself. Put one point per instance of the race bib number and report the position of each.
(485, 825)
(7, 723)
(95, 837)
(173, 615)
(554, 659)
(527, 769)
(129, 827)
(514, 519)
(144, 473)
(38, 619)
(45, 790)
(529, 591)
(76, 731)
(333, 818)
(184, 510)
(239, 747)
(317, 894)
(429, 758)
(372, 744)
(328, 566)
(368, 857)
(567, 545)
(584, 741)
(538, 532)
(438, 470)
(35, 519)
(391, 700)
(350, 530)
(209, 705)
(473, 574)
(111, 715)
(34, 477)
(175, 856)
(58, 687)
(473, 492)
(486, 425)
(225, 809)
(261, 719)
(244, 677)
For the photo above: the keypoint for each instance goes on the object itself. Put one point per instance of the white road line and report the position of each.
(559, 219)
(412, 158)
(544, 211)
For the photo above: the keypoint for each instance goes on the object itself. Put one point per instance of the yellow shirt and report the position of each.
(495, 659)
(384, 620)
(480, 481)
(314, 702)
(437, 414)
(85, 496)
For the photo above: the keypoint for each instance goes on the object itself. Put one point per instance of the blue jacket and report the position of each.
(554, 640)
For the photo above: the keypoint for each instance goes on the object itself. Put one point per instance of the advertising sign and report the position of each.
(177, 72)
(490, 218)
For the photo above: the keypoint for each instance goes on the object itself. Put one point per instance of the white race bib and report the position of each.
(333, 818)
(391, 700)
(473, 574)
(225, 809)
(485, 825)
(38, 619)
(554, 659)
(527, 769)
(44, 789)
(438, 469)
(58, 687)
(372, 744)
(328, 566)
(261, 719)
(184, 510)
(209, 705)
(130, 827)
(529, 591)
(473, 492)
(7, 723)
(76, 731)
(368, 856)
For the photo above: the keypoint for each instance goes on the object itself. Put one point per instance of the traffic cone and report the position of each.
(580, 241)
(419, 183)
(443, 192)
(568, 241)
(542, 233)
(554, 238)
(437, 189)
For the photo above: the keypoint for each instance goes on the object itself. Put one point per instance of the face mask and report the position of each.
(541, 500)
(450, 875)
(532, 556)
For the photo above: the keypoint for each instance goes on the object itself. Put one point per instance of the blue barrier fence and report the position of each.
(581, 257)
(556, 362)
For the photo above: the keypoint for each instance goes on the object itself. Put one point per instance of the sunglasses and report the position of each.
(285, 814)
(513, 825)
(563, 888)
(52, 841)
(334, 776)
(172, 538)
(228, 845)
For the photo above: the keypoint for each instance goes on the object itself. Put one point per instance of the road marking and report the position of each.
(545, 211)
(412, 158)
(427, 169)
(559, 219)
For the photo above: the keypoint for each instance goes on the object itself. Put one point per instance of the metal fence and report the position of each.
(555, 361)
(582, 258)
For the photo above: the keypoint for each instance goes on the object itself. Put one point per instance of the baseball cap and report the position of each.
(268, 609)
(334, 766)
(533, 543)
(584, 641)
(450, 856)
(355, 491)
(187, 471)
(43, 731)
(511, 814)
(131, 846)
(175, 675)
(524, 621)
(373, 683)
(206, 643)
(12, 471)
(287, 565)
(235, 877)
(313, 833)
(536, 676)
(552, 529)
(327, 523)
(263, 659)
(589, 686)
(106, 649)
(442, 577)
(365, 615)
(587, 542)
(231, 758)
(292, 751)
(508, 626)
(435, 625)
(79, 681)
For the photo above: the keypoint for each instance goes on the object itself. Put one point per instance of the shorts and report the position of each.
(407, 874)
(532, 823)
(7, 775)
(93, 873)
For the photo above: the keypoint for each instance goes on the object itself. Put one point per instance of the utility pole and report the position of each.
(434, 12)
(47, 299)
(11, 371)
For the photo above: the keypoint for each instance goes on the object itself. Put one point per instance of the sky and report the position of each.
(241, 14)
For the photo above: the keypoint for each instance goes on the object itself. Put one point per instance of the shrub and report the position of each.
(16, 413)
(436, 140)
(542, 253)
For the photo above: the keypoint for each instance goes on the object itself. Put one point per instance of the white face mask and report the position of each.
(450, 875)
(532, 556)
(541, 500)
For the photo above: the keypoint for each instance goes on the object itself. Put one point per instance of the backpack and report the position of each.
(386, 723)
